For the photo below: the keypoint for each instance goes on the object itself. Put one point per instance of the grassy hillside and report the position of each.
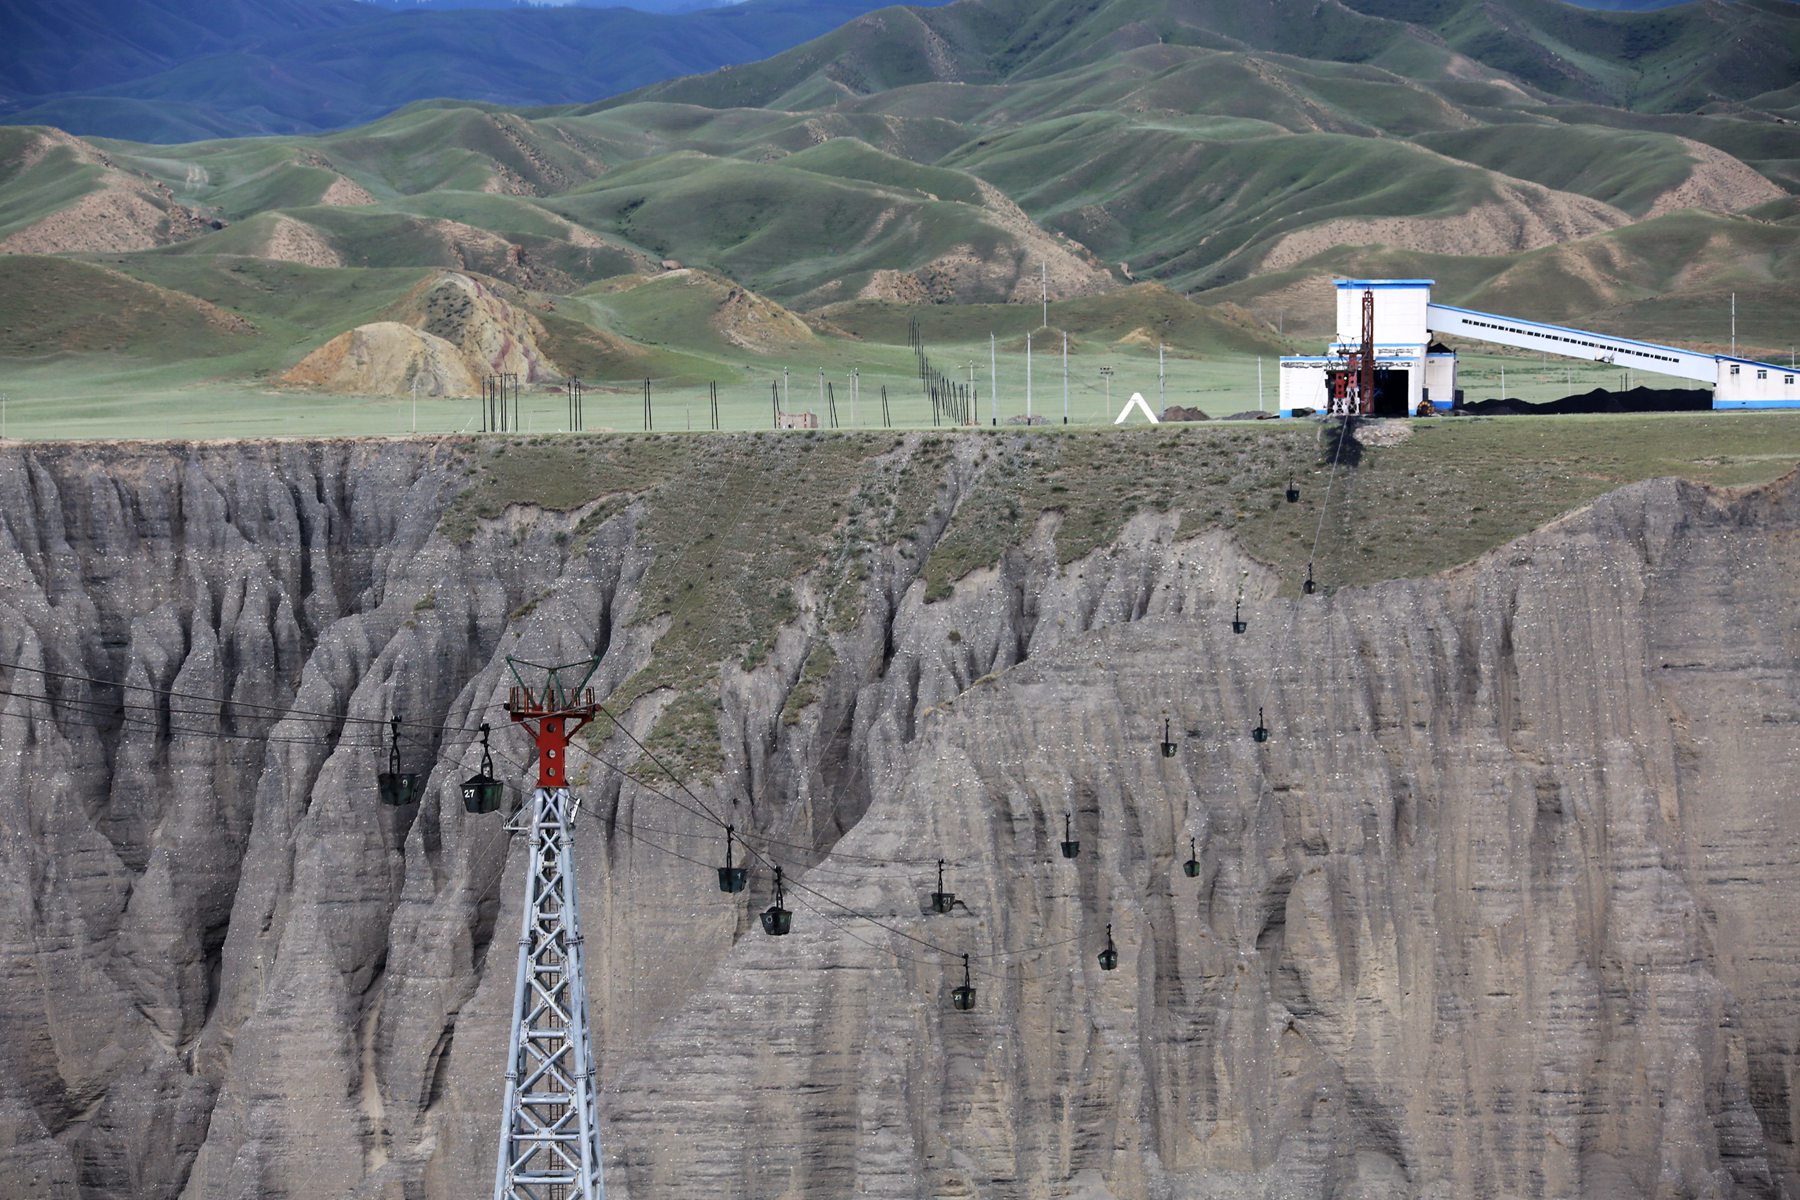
(1668, 60)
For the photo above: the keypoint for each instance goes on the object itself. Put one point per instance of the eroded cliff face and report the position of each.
(1501, 908)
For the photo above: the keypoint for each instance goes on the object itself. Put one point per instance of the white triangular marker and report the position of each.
(1137, 402)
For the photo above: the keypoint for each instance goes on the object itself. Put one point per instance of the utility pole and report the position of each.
(1162, 403)
(550, 1127)
(1259, 390)
(821, 389)
(786, 404)
(993, 381)
(1734, 324)
(855, 387)
(1106, 374)
(1028, 379)
(1044, 283)
(1065, 377)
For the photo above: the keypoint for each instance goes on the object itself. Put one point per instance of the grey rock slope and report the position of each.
(1502, 908)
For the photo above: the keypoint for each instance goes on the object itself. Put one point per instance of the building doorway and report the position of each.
(1393, 387)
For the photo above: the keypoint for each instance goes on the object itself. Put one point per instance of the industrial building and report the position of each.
(1409, 371)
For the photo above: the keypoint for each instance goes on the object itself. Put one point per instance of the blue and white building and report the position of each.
(1412, 368)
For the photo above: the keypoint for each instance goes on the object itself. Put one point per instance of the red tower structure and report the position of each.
(550, 1125)
(1353, 386)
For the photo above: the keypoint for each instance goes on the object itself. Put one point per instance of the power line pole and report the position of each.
(1044, 283)
(993, 381)
(1065, 377)
(1162, 404)
(1028, 379)
(550, 1123)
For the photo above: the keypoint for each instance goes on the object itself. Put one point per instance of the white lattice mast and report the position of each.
(550, 1125)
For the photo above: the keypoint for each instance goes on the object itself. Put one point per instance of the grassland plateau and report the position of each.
(1184, 177)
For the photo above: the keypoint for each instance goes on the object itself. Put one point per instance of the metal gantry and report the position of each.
(550, 1126)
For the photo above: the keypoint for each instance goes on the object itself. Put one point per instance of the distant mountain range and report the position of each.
(656, 6)
(165, 71)
(692, 5)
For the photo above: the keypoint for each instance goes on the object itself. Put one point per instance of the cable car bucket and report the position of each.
(942, 901)
(733, 878)
(397, 788)
(481, 792)
(777, 920)
(962, 999)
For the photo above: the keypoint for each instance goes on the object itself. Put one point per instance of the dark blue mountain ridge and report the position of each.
(178, 70)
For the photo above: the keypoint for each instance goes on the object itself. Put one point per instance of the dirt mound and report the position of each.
(895, 287)
(1637, 400)
(297, 242)
(345, 192)
(1718, 182)
(385, 359)
(447, 335)
(1520, 217)
(121, 210)
(492, 334)
(1015, 272)
(757, 323)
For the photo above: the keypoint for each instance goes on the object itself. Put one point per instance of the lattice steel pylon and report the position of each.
(550, 1127)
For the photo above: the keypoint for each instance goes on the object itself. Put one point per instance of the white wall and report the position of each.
(1399, 310)
(1302, 384)
(1746, 384)
(1440, 379)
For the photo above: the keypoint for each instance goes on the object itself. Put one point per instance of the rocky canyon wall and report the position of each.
(1501, 908)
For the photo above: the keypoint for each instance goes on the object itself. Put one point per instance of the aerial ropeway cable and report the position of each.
(484, 793)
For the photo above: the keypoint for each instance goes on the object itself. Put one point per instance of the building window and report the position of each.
(1734, 368)
(1788, 379)
(1762, 374)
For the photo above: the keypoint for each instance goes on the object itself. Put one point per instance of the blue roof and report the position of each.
(1751, 362)
(1381, 283)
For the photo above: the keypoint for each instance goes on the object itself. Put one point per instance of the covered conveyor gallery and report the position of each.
(1413, 372)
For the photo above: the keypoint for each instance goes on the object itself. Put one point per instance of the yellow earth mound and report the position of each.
(757, 323)
(448, 334)
(493, 335)
(383, 359)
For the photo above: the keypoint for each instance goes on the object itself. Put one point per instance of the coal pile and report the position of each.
(1600, 400)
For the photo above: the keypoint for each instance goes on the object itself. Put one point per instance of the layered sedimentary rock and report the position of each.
(1499, 908)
